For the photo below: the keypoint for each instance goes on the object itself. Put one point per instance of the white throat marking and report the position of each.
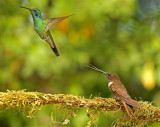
(110, 83)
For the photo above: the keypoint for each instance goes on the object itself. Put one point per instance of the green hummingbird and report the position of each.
(42, 27)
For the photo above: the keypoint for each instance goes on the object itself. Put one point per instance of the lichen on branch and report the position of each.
(31, 102)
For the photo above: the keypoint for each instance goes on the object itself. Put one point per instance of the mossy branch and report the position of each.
(31, 102)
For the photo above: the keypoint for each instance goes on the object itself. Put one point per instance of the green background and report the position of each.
(120, 36)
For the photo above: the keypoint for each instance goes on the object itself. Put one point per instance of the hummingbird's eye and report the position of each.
(109, 75)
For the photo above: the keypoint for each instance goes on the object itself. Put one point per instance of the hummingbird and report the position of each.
(42, 26)
(118, 90)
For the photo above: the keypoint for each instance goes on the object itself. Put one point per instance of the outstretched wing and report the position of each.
(53, 21)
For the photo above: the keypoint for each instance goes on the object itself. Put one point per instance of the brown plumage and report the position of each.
(118, 89)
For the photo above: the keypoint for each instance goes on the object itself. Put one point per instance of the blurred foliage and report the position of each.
(120, 36)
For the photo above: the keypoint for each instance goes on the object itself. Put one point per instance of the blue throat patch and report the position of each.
(36, 15)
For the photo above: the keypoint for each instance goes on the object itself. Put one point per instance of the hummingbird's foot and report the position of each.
(128, 109)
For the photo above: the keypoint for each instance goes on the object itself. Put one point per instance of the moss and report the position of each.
(93, 116)
(29, 103)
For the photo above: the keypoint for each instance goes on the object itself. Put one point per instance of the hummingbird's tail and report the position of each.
(55, 50)
(133, 103)
(130, 102)
(50, 41)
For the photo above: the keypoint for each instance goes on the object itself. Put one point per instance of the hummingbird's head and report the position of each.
(112, 76)
(34, 11)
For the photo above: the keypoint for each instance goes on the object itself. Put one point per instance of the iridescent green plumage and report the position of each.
(42, 27)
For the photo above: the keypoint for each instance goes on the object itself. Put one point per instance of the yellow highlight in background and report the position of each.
(73, 36)
(148, 76)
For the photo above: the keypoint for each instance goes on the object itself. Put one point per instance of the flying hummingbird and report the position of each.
(118, 90)
(42, 27)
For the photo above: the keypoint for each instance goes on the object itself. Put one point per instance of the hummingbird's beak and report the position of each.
(26, 8)
(97, 69)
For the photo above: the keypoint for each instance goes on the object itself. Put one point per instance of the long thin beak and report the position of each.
(26, 8)
(95, 68)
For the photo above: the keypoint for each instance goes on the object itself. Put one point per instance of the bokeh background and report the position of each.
(121, 36)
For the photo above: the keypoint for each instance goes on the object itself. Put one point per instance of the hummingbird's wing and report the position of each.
(123, 95)
(53, 21)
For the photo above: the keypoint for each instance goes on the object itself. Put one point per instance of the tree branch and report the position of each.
(31, 102)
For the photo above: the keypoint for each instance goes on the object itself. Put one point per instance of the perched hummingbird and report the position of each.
(42, 27)
(118, 90)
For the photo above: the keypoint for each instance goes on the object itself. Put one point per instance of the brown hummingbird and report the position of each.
(118, 90)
